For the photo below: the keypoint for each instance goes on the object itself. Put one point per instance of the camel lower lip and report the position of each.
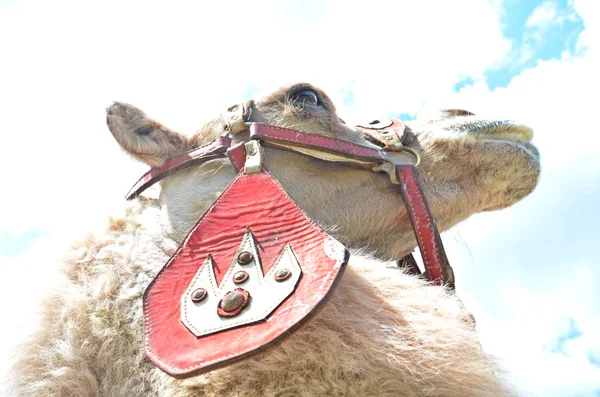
(500, 130)
(522, 145)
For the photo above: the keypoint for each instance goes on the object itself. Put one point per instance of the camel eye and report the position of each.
(302, 97)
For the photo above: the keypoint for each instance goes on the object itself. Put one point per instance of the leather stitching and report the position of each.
(417, 226)
(415, 218)
(380, 156)
(429, 225)
(232, 157)
(148, 325)
(155, 174)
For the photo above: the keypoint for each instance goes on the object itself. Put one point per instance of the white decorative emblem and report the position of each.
(245, 294)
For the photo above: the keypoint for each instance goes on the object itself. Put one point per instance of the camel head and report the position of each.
(469, 165)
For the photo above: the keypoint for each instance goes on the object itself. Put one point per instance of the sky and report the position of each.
(529, 273)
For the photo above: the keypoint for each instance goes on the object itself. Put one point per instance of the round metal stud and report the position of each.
(233, 303)
(244, 258)
(198, 295)
(282, 274)
(240, 277)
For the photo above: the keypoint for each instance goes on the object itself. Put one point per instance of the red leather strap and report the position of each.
(278, 136)
(215, 149)
(256, 203)
(237, 156)
(437, 268)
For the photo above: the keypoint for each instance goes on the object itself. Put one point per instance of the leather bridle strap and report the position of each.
(295, 140)
(437, 267)
(284, 138)
(214, 150)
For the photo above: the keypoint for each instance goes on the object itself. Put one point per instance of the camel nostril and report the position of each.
(145, 130)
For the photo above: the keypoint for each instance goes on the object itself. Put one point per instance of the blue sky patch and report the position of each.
(538, 31)
(250, 91)
(6, 3)
(465, 82)
(348, 97)
(405, 116)
(572, 332)
(12, 246)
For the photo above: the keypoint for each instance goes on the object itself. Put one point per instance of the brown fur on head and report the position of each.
(469, 165)
(143, 138)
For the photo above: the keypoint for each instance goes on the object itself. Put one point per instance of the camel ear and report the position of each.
(143, 138)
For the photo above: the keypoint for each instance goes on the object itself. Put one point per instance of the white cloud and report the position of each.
(184, 62)
(25, 279)
(525, 272)
(535, 317)
(543, 15)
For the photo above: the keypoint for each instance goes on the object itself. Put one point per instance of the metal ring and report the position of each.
(414, 153)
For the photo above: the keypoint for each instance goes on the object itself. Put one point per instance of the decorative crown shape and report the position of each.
(245, 295)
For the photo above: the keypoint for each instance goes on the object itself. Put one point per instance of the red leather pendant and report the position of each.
(252, 269)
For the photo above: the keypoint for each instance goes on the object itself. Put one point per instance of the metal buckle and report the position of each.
(254, 158)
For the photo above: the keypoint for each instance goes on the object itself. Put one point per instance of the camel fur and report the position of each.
(381, 333)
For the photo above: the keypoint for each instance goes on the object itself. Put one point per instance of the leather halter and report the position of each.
(389, 134)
